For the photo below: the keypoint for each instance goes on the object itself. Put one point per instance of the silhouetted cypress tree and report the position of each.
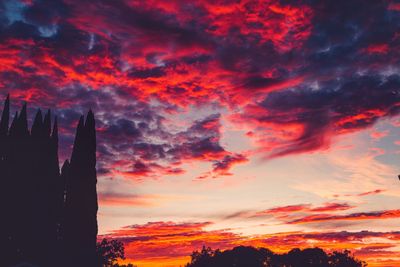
(5, 117)
(51, 217)
(80, 223)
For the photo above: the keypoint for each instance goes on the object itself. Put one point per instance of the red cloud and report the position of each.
(332, 207)
(387, 214)
(377, 191)
(287, 27)
(307, 208)
(377, 49)
(222, 167)
(283, 213)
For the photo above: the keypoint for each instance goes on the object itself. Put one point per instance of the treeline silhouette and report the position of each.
(261, 257)
(49, 218)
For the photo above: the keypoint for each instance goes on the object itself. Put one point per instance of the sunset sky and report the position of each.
(268, 123)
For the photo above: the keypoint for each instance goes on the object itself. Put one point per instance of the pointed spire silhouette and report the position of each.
(80, 125)
(54, 144)
(54, 133)
(47, 123)
(22, 123)
(13, 127)
(37, 127)
(90, 128)
(65, 167)
(90, 119)
(5, 117)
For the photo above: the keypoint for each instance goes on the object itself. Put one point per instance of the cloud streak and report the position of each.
(373, 215)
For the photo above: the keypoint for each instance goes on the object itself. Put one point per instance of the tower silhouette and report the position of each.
(50, 218)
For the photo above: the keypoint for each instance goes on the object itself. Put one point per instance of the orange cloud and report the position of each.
(118, 199)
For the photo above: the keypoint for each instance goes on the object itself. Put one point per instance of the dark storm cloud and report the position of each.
(123, 128)
(312, 69)
(46, 12)
(146, 73)
(342, 31)
(142, 20)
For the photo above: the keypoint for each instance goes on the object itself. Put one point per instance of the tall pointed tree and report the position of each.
(5, 117)
(81, 206)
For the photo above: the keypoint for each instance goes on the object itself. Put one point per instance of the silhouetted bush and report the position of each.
(108, 252)
(261, 257)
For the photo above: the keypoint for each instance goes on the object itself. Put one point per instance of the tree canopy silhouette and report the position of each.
(243, 256)
(108, 252)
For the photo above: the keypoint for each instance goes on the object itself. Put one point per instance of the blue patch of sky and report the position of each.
(14, 12)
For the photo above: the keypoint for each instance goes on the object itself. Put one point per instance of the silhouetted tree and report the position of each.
(108, 252)
(80, 215)
(343, 259)
(53, 216)
(204, 257)
(252, 257)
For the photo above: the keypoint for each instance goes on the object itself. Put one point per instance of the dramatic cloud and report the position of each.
(171, 82)
(298, 73)
(303, 118)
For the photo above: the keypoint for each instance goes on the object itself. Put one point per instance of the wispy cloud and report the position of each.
(373, 215)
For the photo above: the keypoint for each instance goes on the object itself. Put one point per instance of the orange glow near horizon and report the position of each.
(170, 244)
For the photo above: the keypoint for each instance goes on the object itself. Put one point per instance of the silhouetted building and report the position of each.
(48, 218)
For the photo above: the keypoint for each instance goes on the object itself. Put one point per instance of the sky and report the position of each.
(221, 123)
